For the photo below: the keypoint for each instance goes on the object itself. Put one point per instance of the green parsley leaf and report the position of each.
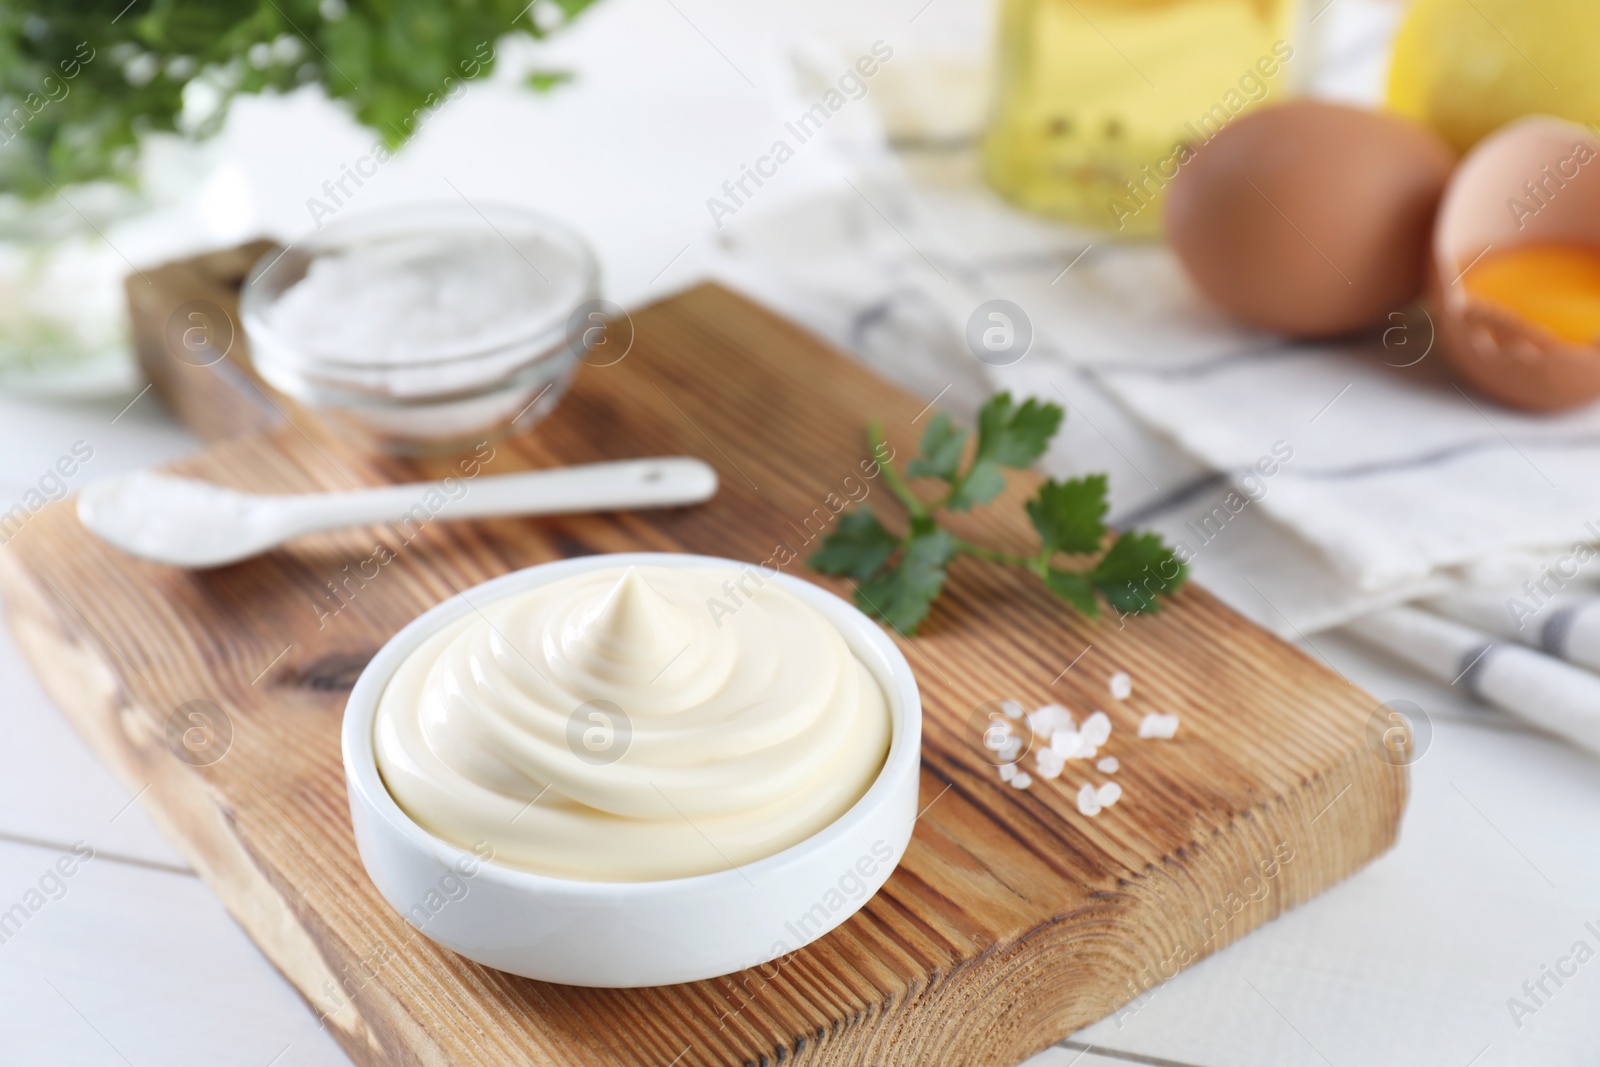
(1135, 570)
(902, 595)
(1070, 516)
(542, 81)
(942, 444)
(1015, 435)
(982, 483)
(1074, 588)
(857, 548)
(1009, 435)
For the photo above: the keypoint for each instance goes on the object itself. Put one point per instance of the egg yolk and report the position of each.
(1554, 286)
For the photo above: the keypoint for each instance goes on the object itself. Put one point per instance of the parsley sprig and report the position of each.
(899, 576)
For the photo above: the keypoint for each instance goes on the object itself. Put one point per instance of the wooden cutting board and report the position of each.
(1012, 921)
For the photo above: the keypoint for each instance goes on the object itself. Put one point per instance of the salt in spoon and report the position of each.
(190, 523)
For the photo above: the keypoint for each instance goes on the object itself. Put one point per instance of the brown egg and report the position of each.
(1535, 185)
(1309, 219)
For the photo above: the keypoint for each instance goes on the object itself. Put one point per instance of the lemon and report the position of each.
(1468, 67)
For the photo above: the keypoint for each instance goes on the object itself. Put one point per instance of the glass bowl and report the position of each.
(425, 328)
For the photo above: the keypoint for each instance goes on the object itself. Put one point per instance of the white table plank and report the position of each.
(122, 964)
(1076, 1055)
(52, 788)
(124, 433)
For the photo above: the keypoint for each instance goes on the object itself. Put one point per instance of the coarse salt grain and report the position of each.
(1011, 750)
(1108, 794)
(1011, 709)
(1047, 720)
(1088, 801)
(1121, 685)
(1108, 765)
(1049, 763)
(1022, 780)
(1097, 729)
(1069, 744)
(1159, 726)
(1007, 771)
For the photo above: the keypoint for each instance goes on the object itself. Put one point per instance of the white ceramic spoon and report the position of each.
(190, 523)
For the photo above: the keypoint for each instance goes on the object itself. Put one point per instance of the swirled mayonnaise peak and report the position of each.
(631, 725)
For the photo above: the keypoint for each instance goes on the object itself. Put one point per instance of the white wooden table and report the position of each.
(1412, 961)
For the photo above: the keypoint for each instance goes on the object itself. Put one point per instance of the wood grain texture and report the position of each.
(1012, 920)
(190, 346)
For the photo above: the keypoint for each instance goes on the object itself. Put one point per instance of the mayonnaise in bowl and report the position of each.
(656, 728)
(633, 723)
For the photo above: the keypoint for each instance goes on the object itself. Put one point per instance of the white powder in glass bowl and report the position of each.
(426, 297)
(425, 326)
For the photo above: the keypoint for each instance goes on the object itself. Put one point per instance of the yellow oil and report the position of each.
(1101, 101)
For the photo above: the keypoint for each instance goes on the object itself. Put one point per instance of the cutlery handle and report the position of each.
(666, 481)
(1556, 696)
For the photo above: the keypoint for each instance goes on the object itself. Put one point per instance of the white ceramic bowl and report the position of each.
(634, 933)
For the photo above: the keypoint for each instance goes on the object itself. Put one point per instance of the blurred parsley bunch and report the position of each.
(81, 80)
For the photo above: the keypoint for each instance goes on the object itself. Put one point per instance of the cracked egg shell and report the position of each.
(1309, 219)
(1535, 182)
